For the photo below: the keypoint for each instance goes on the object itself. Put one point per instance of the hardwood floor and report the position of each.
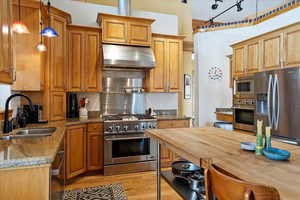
(138, 186)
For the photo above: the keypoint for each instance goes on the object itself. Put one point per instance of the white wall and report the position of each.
(4, 94)
(211, 50)
(86, 14)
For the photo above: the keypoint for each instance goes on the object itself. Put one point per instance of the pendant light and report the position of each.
(49, 31)
(18, 26)
(41, 46)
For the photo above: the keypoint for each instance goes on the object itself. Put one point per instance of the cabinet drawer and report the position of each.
(93, 127)
(173, 124)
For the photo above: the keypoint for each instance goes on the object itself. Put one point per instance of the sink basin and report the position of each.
(37, 131)
(30, 133)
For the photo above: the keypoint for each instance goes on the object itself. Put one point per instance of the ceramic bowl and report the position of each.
(276, 154)
(249, 146)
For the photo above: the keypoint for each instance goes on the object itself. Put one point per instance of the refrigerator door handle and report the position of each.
(278, 101)
(269, 103)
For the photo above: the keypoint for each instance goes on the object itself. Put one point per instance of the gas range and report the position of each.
(128, 124)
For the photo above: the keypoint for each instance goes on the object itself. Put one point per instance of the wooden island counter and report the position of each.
(222, 148)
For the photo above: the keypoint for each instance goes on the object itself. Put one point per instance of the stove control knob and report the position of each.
(110, 129)
(118, 128)
(125, 128)
(136, 127)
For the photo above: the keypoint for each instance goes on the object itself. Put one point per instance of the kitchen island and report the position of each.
(203, 146)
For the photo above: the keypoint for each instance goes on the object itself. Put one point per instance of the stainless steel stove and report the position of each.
(126, 147)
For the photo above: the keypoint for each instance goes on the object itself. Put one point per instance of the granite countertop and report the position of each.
(172, 117)
(77, 121)
(32, 151)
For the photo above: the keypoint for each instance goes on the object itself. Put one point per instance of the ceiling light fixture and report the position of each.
(49, 31)
(41, 46)
(238, 4)
(216, 5)
(184, 1)
(18, 26)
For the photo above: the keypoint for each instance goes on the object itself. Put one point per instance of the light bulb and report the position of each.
(20, 28)
(41, 47)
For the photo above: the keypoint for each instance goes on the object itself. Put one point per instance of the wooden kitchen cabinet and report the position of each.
(29, 62)
(270, 51)
(167, 156)
(95, 147)
(57, 106)
(271, 54)
(125, 29)
(76, 151)
(252, 61)
(292, 46)
(168, 72)
(6, 45)
(84, 149)
(238, 61)
(85, 59)
(58, 54)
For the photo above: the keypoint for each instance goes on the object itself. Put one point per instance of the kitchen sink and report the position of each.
(30, 133)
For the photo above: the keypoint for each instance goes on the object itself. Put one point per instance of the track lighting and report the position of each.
(239, 7)
(216, 5)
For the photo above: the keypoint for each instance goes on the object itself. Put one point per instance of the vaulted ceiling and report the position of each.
(202, 9)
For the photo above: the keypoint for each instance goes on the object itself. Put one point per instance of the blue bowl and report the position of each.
(276, 154)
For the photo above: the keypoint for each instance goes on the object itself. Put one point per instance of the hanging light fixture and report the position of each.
(18, 26)
(49, 31)
(41, 46)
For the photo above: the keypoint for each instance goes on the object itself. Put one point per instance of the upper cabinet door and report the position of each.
(252, 64)
(76, 52)
(139, 33)
(157, 77)
(292, 46)
(175, 63)
(271, 51)
(114, 31)
(58, 57)
(6, 50)
(238, 61)
(92, 62)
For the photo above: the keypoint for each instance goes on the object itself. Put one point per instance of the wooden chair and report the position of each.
(221, 185)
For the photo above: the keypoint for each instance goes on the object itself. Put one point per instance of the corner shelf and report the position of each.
(181, 187)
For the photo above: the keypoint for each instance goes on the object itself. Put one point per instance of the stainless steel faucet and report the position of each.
(7, 124)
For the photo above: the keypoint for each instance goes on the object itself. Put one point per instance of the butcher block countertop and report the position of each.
(222, 148)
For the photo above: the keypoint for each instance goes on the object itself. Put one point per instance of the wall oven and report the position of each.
(244, 113)
(128, 148)
(244, 86)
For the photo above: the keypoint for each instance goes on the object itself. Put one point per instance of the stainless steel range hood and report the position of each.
(119, 56)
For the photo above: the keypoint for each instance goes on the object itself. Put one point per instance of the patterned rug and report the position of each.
(106, 192)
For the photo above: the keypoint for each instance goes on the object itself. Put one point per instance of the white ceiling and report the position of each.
(202, 9)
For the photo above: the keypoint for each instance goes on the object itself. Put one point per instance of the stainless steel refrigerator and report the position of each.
(278, 102)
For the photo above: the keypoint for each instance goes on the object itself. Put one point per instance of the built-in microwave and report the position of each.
(244, 86)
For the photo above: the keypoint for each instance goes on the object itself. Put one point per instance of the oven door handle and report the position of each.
(125, 138)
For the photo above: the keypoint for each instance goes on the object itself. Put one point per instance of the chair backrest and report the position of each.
(226, 187)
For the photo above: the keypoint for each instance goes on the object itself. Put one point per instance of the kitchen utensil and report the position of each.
(276, 154)
(249, 146)
(184, 169)
(196, 183)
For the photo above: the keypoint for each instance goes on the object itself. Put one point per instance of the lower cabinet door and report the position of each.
(95, 151)
(75, 151)
(166, 157)
(57, 106)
